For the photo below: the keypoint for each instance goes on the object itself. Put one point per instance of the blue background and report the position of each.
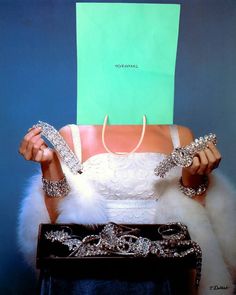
(38, 82)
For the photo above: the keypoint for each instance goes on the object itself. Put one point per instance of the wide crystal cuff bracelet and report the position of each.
(192, 192)
(60, 145)
(183, 156)
(56, 188)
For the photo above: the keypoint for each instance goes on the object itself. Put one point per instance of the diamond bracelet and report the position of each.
(60, 145)
(56, 188)
(192, 192)
(183, 156)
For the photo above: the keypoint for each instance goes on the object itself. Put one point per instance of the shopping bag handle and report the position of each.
(123, 153)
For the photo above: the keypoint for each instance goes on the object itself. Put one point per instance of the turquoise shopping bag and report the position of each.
(126, 55)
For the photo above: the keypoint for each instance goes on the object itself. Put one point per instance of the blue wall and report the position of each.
(38, 82)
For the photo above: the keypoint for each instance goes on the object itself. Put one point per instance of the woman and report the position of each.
(110, 179)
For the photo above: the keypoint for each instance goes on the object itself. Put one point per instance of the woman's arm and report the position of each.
(203, 163)
(33, 148)
(53, 171)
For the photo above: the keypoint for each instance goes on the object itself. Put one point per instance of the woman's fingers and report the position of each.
(47, 154)
(43, 154)
(216, 154)
(26, 140)
(195, 166)
(211, 160)
(38, 144)
(32, 145)
(206, 160)
(203, 163)
(32, 133)
(39, 156)
(34, 148)
(28, 154)
(213, 157)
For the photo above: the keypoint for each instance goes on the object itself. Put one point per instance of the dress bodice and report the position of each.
(126, 182)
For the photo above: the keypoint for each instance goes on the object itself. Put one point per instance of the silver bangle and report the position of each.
(192, 192)
(173, 230)
(56, 188)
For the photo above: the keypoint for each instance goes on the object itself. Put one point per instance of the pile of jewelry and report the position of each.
(183, 156)
(60, 145)
(116, 239)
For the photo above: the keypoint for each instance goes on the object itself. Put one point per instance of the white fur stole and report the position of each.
(213, 227)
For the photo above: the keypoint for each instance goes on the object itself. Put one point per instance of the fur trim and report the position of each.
(82, 205)
(33, 211)
(174, 206)
(221, 208)
(215, 235)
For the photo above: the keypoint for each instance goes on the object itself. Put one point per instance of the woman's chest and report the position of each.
(156, 139)
(125, 177)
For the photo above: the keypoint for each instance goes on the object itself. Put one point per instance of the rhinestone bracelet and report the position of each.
(183, 156)
(56, 188)
(173, 230)
(60, 146)
(192, 192)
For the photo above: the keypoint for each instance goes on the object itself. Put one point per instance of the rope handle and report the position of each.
(123, 153)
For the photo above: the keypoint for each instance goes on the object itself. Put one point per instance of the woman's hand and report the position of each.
(33, 147)
(203, 164)
(205, 161)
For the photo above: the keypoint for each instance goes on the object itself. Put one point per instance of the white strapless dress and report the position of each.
(127, 182)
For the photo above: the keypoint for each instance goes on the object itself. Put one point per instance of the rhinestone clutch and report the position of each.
(183, 156)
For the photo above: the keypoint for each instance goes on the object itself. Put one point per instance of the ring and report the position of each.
(176, 231)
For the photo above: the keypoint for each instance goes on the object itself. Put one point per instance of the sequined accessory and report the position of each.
(173, 230)
(183, 156)
(56, 188)
(116, 239)
(192, 192)
(60, 145)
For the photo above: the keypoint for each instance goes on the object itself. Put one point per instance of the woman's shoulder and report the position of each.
(66, 133)
(185, 134)
(71, 131)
